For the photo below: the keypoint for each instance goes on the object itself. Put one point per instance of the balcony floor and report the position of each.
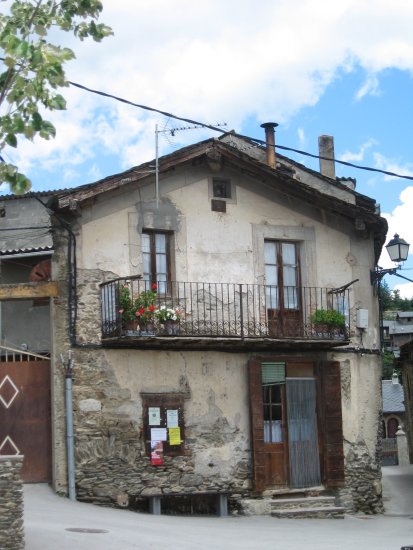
(203, 343)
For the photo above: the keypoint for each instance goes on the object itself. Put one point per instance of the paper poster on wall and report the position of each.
(154, 414)
(172, 418)
(158, 434)
(174, 436)
(156, 453)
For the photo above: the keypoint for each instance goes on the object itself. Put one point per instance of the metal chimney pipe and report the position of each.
(270, 142)
(326, 150)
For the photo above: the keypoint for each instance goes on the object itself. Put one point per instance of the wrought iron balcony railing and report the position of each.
(134, 307)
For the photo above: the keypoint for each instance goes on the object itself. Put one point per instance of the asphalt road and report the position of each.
(53, 522)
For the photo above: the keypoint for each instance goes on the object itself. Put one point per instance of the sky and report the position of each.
(342, 68)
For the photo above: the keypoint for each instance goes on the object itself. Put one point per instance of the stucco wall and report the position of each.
(111, 452)
(111, 460)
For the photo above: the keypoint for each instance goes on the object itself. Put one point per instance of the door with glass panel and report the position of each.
(156, 259)
(291, 448)
(275, 426)
(282, 288)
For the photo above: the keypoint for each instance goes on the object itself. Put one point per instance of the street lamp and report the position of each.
(398, 250)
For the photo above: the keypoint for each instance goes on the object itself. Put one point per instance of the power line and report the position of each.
(218, 129)
(146, 108)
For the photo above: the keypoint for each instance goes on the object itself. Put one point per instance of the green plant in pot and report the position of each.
(328, 321)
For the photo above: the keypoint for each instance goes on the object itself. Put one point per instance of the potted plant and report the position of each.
(127, 309)
(328, 321)
(145, 309)
(169, 318)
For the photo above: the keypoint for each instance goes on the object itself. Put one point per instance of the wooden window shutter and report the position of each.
(332, 424)
(257, 424)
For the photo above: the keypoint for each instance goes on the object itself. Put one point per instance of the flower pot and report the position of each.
(147, 329)
(171, 328)
(130, 328)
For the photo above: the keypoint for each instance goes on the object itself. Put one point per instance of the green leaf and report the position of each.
(57, 102)
(37, 121)
(11, 140)
(20, 184)
(48, 130)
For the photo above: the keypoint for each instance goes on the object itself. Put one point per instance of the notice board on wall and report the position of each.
(164, 427)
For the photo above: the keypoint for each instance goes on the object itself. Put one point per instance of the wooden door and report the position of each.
(269, 447)
(25, 427)
(283, 298)
(275, 435)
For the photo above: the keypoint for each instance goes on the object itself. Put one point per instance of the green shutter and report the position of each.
(272, 373)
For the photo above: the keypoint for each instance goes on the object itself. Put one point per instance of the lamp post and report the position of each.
(398, 250)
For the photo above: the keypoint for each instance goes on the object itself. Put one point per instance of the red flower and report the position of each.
(154, 286)
(141, 311)
(151, 308)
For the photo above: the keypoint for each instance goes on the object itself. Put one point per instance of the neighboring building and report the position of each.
(398, 331)
(406, 365)
(247, 393)
(393, 406)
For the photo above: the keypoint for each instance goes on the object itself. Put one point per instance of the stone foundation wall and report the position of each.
(11, 504)
(112, 464)
(363, 491)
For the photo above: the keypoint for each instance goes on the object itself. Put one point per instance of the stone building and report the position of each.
(406, 364)
(222, 326)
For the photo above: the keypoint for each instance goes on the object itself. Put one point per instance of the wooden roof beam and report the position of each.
(27, 291)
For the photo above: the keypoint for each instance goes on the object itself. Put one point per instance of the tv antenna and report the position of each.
(172, 132)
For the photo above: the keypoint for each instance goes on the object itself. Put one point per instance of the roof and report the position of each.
(329, 195)
(403, 314)
(393, 397)
(33, 251)
(400, 329)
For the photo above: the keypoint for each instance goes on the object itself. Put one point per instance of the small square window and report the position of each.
(221, 188)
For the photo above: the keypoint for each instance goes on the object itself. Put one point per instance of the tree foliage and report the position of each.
(392, 301)
(32, 69)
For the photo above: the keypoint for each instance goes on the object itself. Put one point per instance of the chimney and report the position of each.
(270, 142)
(326, 150)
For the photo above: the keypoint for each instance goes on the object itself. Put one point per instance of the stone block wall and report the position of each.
(11, 503)
(112, 464)
(363, 491)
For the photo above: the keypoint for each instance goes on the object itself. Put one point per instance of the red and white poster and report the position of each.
(156, 453)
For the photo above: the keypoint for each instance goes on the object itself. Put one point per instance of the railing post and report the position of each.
(241, 312)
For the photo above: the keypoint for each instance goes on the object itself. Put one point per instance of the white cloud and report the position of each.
(217, 60)
(400, 221)
(391, 165)
(349, 156)
(302, 140)
(371, 86)
(406, 290)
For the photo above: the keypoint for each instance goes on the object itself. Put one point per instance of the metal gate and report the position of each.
(302, 433)
(25, 427)
(389, 456)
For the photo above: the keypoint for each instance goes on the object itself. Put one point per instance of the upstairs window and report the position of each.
(281, 274)
(156, 259)
(221, 188)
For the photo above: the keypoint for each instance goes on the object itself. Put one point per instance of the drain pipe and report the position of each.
(69, 427)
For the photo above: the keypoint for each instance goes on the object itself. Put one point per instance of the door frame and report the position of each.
(329, 420)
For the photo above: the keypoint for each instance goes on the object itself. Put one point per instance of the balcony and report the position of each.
(193, 315)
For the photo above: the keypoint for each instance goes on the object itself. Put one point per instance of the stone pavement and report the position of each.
(50, 520)
(398, 490)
